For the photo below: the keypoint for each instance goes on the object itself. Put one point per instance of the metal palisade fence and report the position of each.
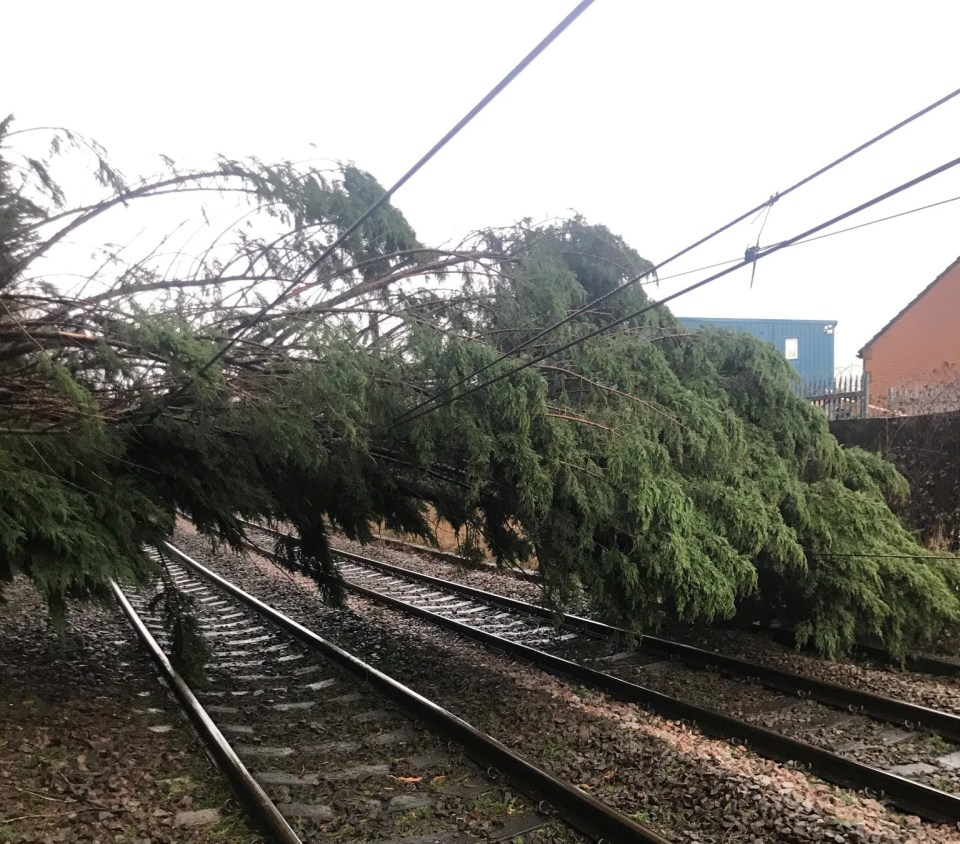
(842, 397)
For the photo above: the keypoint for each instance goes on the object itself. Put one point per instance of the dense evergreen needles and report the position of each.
(189, 650)
(660, 473)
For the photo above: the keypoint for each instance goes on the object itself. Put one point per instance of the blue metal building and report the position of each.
(806, 343)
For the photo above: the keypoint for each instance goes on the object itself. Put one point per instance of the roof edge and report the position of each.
(909, 305)
(759, 319)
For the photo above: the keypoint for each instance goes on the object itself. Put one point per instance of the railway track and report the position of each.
(843, 735)
(323, 747)
(942, 666)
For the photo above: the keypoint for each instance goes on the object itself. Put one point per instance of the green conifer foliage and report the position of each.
(189, 649)
(657, 472)
(672, 474)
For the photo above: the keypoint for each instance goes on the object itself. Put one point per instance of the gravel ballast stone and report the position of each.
(92, 746)
(665, 774)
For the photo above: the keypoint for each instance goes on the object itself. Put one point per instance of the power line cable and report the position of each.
(653, 305)
(811, 239)
(590, 305)
(879, 220)
(884, 556)
(497, 89)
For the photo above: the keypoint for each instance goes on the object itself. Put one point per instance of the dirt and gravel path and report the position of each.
(91, 747)
(691, 788)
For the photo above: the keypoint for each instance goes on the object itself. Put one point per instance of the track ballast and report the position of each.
(776, 713)
(329, 751)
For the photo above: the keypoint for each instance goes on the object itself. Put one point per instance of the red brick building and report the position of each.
(913, 362)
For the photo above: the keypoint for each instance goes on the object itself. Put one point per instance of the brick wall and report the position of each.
(921, 346)
(926, 450)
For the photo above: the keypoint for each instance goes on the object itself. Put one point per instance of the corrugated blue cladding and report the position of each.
(814, 339)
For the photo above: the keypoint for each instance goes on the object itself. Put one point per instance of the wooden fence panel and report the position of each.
(843, 397)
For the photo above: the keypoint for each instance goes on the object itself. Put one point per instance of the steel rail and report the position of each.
(879, 707)
(919, 662)
(832, 694)
(458, 560)
(444, 556)
(579, 809)
(922, 663)
(922, 800)
(266, 814)
(925, 801)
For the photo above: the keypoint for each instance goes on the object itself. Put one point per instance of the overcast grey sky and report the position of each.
(661, 120)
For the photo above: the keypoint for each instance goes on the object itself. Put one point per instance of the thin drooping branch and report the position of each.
(85, 217)
(611, 390)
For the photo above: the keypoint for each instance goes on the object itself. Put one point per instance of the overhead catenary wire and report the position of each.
(409, 417)
(806, 240)
(884, 556)
(879, 220)
(653, 270)
(494, 92)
